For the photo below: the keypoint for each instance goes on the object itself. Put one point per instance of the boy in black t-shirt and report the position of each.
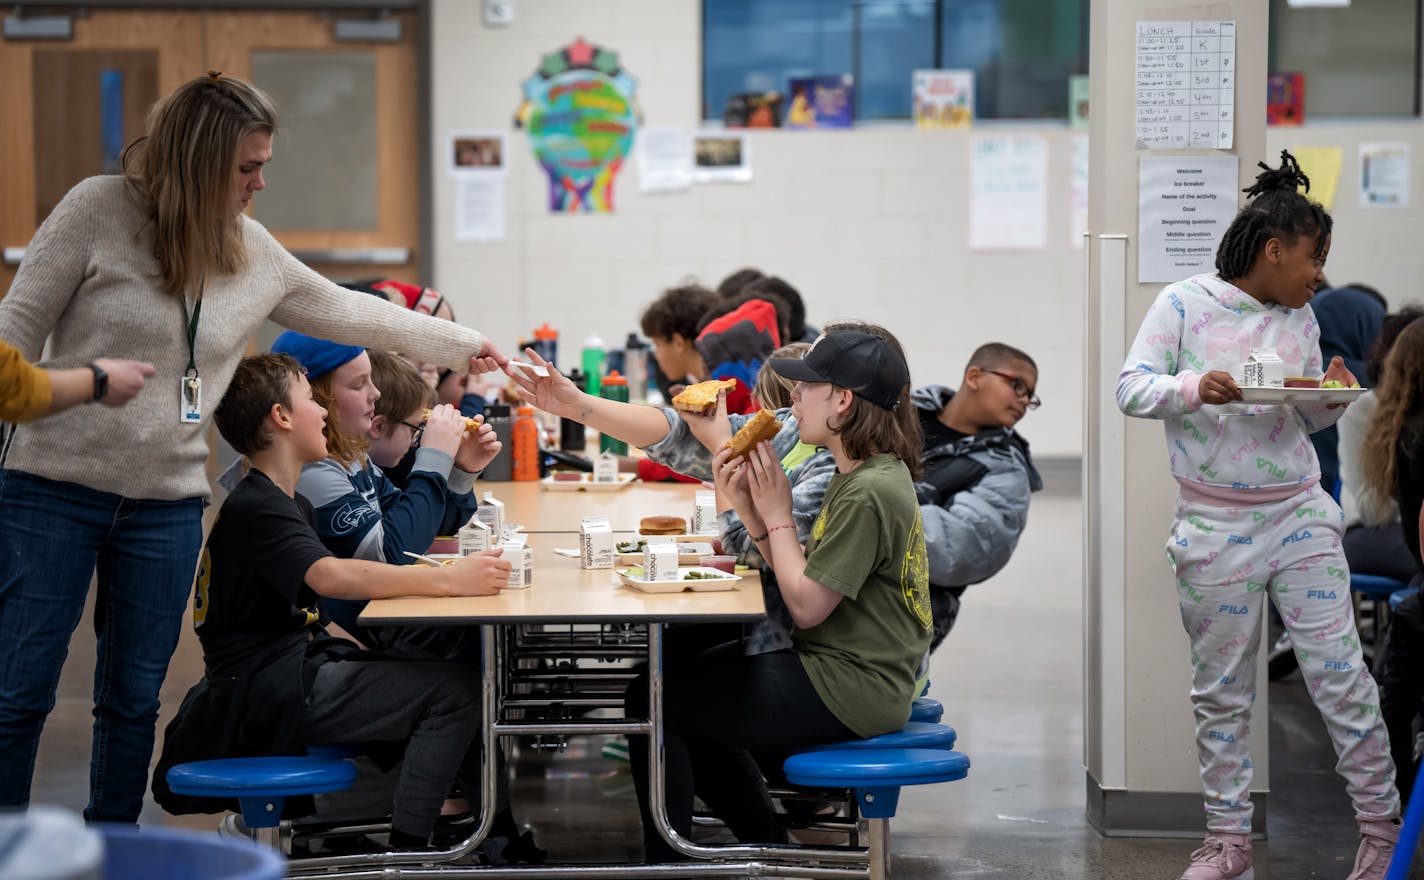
(275, 681)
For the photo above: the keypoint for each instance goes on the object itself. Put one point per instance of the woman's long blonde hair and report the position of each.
(1401, 403)
(184, 166)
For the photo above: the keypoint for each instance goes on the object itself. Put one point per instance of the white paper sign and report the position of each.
(479, 208)
(1186, 85)
(1078, 191)
(1185, 204)
(1384, 175)
(1008, 193)
(664, 159)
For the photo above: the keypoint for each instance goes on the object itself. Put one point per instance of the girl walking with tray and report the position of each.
(1253, 520)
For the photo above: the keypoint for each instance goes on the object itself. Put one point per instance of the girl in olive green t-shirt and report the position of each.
(858, 596)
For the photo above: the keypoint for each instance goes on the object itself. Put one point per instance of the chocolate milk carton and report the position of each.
(474, 537)
(1263, 369)
(521, 561)
(660, 560)
(596, 542)
(704, 513)
(491, 513)
(605, 468)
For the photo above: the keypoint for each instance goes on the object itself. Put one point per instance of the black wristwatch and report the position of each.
(101, 382)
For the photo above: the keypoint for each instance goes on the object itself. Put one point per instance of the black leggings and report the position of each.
(718, 709)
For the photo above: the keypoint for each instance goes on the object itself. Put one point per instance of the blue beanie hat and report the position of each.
(319, 356)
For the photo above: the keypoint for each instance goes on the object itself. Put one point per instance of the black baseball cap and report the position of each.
(865, 364)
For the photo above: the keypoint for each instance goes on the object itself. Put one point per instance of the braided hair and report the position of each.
(1276, 210)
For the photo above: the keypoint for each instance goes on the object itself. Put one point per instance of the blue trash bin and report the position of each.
(176, 854)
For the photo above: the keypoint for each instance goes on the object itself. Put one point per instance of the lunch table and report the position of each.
(564, 593)
(540, 508)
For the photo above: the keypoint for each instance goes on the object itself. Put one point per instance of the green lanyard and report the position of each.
(192, 333)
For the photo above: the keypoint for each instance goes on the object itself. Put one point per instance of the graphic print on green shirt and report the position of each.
(868, 544)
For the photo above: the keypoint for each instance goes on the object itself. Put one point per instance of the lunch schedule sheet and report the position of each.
(1186, 85)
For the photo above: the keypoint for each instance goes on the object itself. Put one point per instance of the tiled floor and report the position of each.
(1018, 816)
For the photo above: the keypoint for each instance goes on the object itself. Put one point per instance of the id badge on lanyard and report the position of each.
(190, 386)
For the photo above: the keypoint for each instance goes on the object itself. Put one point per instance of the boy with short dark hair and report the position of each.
(978, 473)
(275, 681)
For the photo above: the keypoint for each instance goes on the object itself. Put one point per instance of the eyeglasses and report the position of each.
(1019, 386)
(416, 431)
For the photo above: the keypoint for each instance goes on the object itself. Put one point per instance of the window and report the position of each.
(1358, 60)
(1022, 51)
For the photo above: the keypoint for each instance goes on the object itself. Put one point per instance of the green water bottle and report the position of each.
(592, 363)
(615, 387)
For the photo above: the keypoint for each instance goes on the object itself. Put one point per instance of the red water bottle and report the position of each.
(526, 445)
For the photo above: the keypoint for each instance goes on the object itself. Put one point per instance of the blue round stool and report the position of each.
(262, 785)
(926, 709)
(914, 735)
(876, 776)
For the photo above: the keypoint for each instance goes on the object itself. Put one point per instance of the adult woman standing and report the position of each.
(158, 264)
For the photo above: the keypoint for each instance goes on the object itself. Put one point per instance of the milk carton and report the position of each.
(605, 468)
(475, 537)
(660, 560)
(704, 513)
(596, 542)
(1263, 369)
(521, 560)
(491, 513)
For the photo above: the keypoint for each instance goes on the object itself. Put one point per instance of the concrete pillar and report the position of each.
(1139, 744)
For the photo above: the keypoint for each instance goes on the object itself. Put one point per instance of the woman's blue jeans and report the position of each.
(54, 536)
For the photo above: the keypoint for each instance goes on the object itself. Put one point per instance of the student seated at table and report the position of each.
(858, 596)
(275, 681)
(359, 513)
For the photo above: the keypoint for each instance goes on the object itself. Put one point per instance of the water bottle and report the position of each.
(635, 367)
(592, 363)
(546, 343)
(526, 445)
(572, 434)
(615, 387)
(501, 468)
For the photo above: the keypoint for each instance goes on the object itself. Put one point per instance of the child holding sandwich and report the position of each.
(858, 595)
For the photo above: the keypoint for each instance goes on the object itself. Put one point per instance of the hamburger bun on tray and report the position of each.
(762, 426)
(702, 397)
(662, 525)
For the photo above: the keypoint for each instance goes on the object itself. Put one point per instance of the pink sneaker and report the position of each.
(1222, 856)
(1377, 841)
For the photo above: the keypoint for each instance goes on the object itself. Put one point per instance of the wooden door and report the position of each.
(350, 206)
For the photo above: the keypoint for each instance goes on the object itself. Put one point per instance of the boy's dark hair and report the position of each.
(678, 311)
(733, 284)
(1276, 210)
(260, 381)
(1389, 331)
(993, 354)
(795, 306)
(402, 390)
(869, 428)
(732, 303)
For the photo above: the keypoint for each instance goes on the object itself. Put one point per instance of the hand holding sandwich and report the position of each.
(477, 448)
(712, 429)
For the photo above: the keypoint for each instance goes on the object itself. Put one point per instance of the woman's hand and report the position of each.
(730, 482)
(479, 574)
(444, 429)
(711, 430)
(477, 448)
(770, 490)
(1218, 387)
(553, 393)
(489, 359)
